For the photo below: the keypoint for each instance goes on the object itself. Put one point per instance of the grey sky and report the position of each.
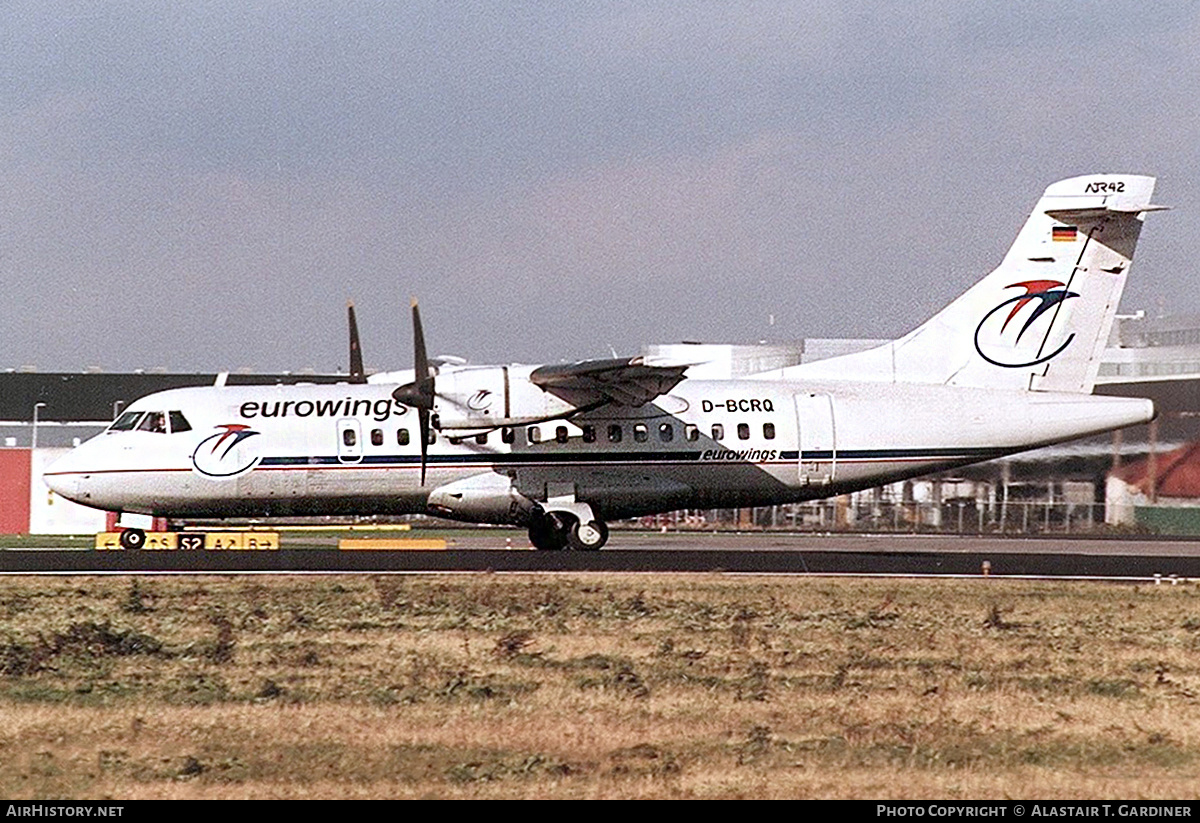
(202, 185)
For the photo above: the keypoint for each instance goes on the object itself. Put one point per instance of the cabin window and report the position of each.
(534, 434)
(769, 431)
(508, 434)
(376, 437)
(614, 433)
(718, 431)
(640, 433)
(589, 434)
(560, 434)
(349, 438)
(481, 439)
(666, 432)
(154, 422)
(126, 421)
(178, 422)
(402, 437)
(743, 431)
(432, 437)
(691, 433)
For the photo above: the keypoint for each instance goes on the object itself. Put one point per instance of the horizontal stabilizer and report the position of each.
(1080, 215)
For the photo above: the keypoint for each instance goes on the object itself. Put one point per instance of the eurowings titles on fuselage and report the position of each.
(377, 409)
(562, 449)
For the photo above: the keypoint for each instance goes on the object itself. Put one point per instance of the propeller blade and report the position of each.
(357, 375)
(424, 385)
(419, 359)
(419, 394)
(423, 420)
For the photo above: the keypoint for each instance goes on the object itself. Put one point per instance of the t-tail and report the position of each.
(1042, 319)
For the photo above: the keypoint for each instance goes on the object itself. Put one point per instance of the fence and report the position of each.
(961, 516)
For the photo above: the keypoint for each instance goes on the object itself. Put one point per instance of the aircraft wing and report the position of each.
(626, 382)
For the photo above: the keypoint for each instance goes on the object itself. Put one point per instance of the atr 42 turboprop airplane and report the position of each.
(561, 449)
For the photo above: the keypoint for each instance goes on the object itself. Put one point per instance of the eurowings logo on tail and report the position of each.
(222, 455)
(1004, 344)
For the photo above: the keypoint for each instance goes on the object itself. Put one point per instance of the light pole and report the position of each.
(33, 436)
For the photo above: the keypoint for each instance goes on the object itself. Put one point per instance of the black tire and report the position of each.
(133, 539)
(589, 538)
(545, 534)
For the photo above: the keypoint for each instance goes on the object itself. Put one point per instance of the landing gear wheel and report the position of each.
(587, 537)
(133, 539)
(546, 534)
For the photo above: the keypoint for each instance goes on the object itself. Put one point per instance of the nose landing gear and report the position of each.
(132, 539)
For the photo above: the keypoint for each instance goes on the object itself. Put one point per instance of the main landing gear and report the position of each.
(558, 530)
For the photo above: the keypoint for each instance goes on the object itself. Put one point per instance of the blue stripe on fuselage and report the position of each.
(530, 458)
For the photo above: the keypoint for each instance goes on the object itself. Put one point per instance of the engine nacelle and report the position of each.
(487, 397)
(483, 498)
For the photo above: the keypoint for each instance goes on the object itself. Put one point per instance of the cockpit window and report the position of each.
(178, 422)
(154, 422)
(125, 422)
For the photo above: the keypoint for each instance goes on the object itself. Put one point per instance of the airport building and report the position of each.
(1131, 479)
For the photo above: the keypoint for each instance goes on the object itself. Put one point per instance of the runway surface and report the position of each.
(763, 553)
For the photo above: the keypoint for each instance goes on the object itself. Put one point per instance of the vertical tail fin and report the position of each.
(1040, 321)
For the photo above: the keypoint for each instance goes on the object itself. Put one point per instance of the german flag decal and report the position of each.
(1063, 234)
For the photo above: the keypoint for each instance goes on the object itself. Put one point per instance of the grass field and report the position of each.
(596, 686)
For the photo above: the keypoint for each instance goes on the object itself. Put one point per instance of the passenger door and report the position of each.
(817, 438)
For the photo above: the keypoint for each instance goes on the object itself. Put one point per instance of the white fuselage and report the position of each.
(352, 449)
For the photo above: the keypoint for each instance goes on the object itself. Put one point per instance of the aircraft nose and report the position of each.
(62, 477)
(62, 485)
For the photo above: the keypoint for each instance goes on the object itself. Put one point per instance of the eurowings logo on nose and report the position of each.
(219, 455)
(1044, 295)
